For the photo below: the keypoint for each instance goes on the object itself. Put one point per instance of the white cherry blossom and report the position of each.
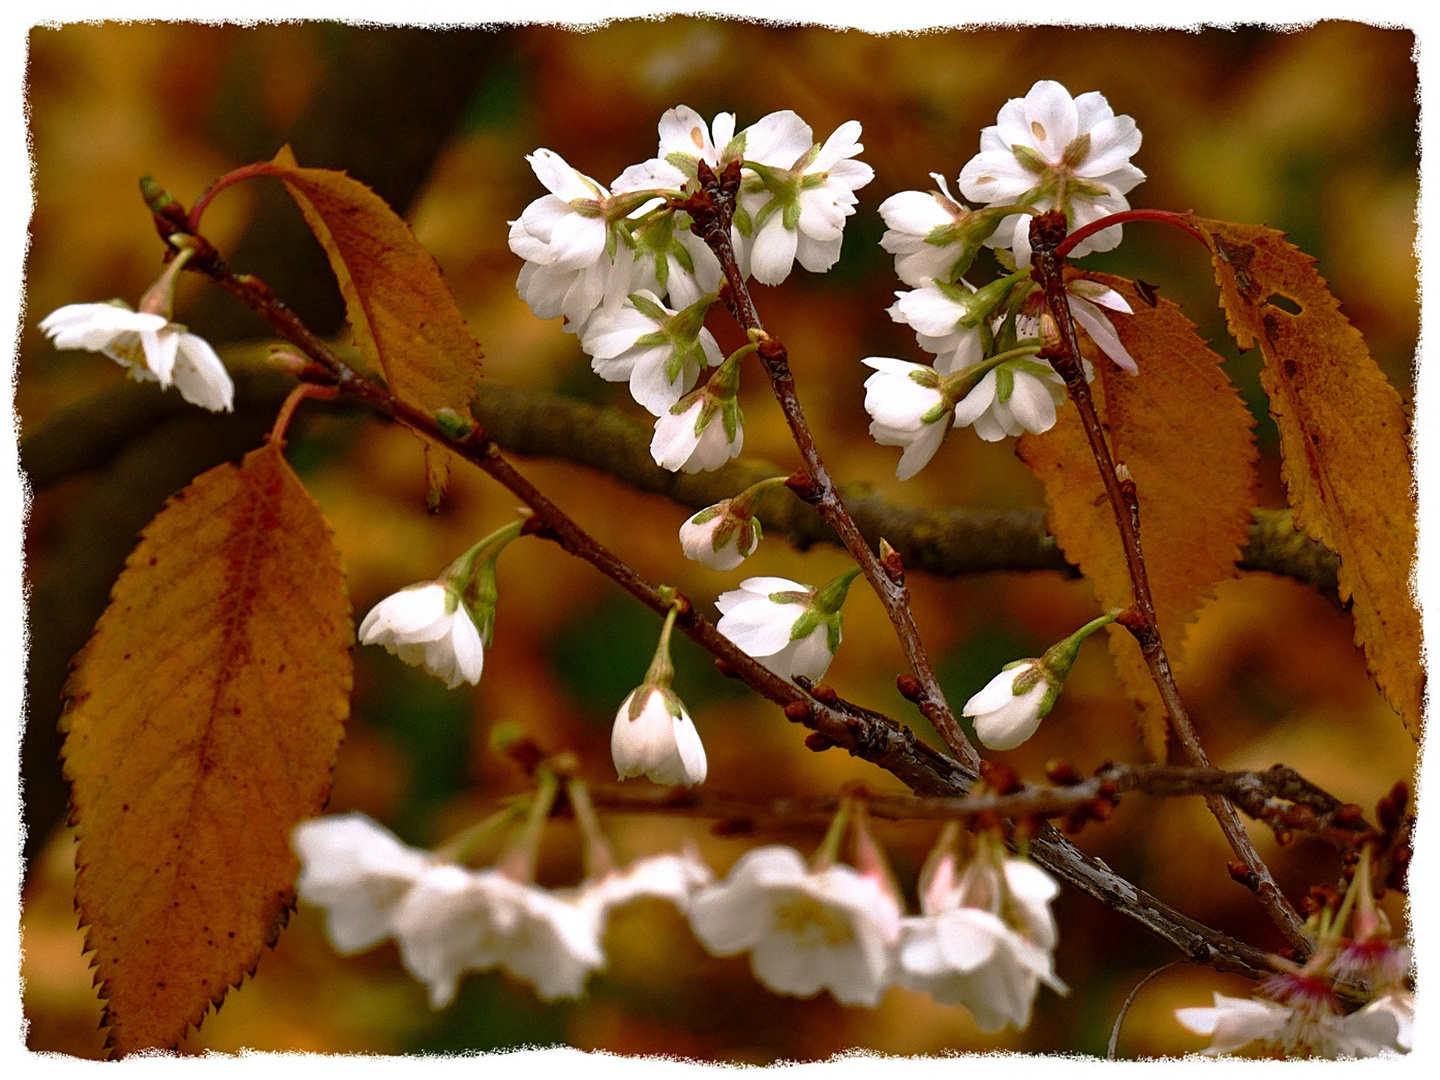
(657, 349)
(565, 230)
(654, 737)
(700, 437)
(805, 930)
(685, 140)
(970, 957)
(719, 537)
(1308, 1026)
(149, 346)
(918, 228)
(947, 321)
(427, 625)
(774, 620)
(907, 408)
(576, 294)
(455, 920)
(1012, 397)
(676, 877)
(984, 937)
(799, 195)
(359, 873)
(1052, 151)
(1400, 1005)
(1008, 710)
(1086, 299)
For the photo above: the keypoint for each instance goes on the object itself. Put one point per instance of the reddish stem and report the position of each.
(245, 172)
(292, 402)
(1165, 217)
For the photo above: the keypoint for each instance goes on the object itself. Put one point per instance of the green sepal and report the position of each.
(688, 164)
(1004, 383)
(1032, 367)
(1075, 151)
(680, 253)
(791, 216)
(741, 220)
(1029, 159)
(709, 514)
(937, 411)
(732, 417)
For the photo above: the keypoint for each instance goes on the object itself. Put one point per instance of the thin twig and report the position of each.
(1130, 1000)
(712, 208)
(1047, 232)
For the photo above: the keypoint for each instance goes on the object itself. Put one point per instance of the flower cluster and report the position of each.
(1047, 152)
(627, 274)
(449, 919)
(984, 940)
(1298, 1012)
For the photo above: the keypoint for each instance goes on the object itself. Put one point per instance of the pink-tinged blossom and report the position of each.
(985, 935)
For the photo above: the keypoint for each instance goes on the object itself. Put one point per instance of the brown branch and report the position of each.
(1279, 797)
(863, 733)
(1047, 233)
(948, 541)
(712, 208)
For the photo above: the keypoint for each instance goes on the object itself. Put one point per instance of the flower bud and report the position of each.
(720, 536)
(654, 736)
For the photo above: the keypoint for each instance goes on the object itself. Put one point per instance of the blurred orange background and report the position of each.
(1313, 132)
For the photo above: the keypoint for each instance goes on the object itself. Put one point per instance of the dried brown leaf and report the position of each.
(401, 311)
(1184, 434)
(202, 722)
(1343, 438)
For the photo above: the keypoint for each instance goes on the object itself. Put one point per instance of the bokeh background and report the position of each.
(1313, 132)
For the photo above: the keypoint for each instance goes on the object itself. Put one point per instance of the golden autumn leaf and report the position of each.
(202, 721)
(401, 311)
(1184, 434)
(1343, 441)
